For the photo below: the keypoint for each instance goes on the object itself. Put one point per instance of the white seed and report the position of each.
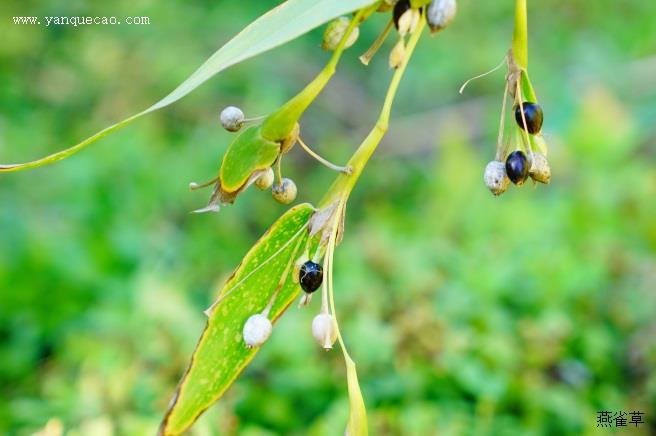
(232, 118)
(335, 32)
(397, 55)
(440, 13)
(265, 180)
(408, 21)
(495, 177)
(257, 330)
(284, 192)
(540, 171)
(324, 330)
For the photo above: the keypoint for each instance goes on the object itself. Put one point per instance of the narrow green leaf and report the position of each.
(278, 26)
(221, 353)
(248, 153)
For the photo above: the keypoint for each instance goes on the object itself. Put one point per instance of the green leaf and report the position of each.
(221, 353)
(278, 26)
(248, 153)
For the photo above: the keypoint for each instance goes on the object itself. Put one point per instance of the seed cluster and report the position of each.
(257, 328)
(529, 158)
(439, 14)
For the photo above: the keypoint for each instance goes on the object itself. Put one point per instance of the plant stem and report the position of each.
(520, 35)
(520, 49)
(280, 123)
(344, 183)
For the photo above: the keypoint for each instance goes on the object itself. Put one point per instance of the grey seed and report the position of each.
(440, 13)
(495, 177)
(232, 118)
(284, 192)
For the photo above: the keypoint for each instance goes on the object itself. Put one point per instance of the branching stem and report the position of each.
(343, 185)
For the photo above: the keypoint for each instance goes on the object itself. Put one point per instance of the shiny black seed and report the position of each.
(533, 114)
(399, 8)
(517, 167)
(310, 276)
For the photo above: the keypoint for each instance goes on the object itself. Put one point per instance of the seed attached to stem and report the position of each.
(257, 330)
(310, 276)
(496, 178)
(324, 331)
(400, 8)
(440, 13)
(335, 32)
(232, 118)
(533, 114)
(517, 167)
(265, 180)
(285, 191)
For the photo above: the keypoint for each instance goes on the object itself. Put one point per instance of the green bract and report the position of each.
(221, 353)
(248, 153)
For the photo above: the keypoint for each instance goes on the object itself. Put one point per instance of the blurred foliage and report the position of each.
(467, 314)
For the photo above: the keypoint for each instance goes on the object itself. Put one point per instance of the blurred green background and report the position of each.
(467, 314)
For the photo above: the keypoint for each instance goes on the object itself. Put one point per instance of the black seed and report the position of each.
(310, 276)
(533, 114)
(517, 167)
(399, 8)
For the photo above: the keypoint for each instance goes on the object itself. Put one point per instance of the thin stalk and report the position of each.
(529, 146)
(502, 124)
(279, 169)
(357, 423)
(369, 54)
(325, 162)
(195, 186)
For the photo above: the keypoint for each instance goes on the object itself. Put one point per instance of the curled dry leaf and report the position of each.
(323, 221)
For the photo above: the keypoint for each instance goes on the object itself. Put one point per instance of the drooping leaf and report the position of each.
(248, 153)
(221, 353)
(278, 26)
